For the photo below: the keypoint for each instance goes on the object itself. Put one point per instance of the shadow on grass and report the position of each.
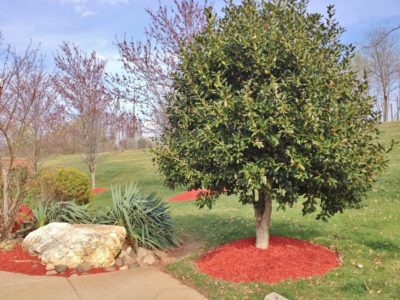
(382, 245)
(217, 229)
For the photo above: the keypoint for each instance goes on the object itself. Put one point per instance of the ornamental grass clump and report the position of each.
(67, 212)
(146, 218)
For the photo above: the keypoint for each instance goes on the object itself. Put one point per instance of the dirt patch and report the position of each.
(180, 252)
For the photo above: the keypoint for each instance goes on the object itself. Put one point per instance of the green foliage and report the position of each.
(61, 185)
(266, 100)
(68, 212)
(41, 212)
(146, 218)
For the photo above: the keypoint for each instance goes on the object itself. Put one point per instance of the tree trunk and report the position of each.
(5, 226)
(385, 107)
(263, 211)
(35, 159)
(93, 175)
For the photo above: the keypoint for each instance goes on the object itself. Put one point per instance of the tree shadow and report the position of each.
(382, 245)
(217, 229)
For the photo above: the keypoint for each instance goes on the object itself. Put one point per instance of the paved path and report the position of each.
(143, 284)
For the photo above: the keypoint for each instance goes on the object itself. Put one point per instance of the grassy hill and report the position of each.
(118, 168)
(368, 236)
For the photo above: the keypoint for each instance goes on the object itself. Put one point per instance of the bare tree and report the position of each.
(80, 82)
(381, 57)
(148, 65)
(46, 115)
(21, 78)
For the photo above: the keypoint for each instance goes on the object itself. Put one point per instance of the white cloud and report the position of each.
(114, 2)
(83, 11)
(84, 7)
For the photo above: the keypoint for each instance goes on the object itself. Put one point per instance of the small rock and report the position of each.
(128, 250)
(149, 259)
(129, 260)
(52, 272)
(142, 252)
(123, 268)
(60, 268)
(119, 262)
(161, 255)
(84, 267)
(274, 296)
(134, 265)
(49, 267)
(122, 254)
(360, 266)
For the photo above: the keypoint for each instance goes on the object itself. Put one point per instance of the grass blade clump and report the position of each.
(68, 212)
(146, 218)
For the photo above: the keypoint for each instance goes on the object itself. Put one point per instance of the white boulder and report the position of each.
(74, 244)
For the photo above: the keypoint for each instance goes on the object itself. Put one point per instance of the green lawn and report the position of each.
(369, 236)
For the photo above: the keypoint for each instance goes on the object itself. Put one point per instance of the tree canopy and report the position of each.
(266, 106)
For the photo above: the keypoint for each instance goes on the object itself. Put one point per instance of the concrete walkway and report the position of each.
(144, 284)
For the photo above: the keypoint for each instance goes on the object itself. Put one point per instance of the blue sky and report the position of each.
(94, 24)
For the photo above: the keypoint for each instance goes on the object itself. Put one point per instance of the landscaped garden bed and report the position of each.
(366, 238)
(17, 260)
(14, 258)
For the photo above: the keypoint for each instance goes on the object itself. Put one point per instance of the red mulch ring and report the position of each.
(187, 196)
(285, 259)
(99, 190)
(19, 261)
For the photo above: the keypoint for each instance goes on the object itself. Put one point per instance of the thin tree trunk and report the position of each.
(385, 108)
(35, 159)
(263, 211)
(93, 175)
(5, 232)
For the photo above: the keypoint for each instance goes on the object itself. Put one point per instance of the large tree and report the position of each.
(266, 107)
(22, 77)
(80, 82)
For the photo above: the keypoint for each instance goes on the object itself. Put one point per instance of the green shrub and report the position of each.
(146, 218)
(61, 185)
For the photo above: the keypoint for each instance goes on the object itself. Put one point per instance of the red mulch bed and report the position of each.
(19, 261)
(285, 259)
(99, 190)
(187, 196)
